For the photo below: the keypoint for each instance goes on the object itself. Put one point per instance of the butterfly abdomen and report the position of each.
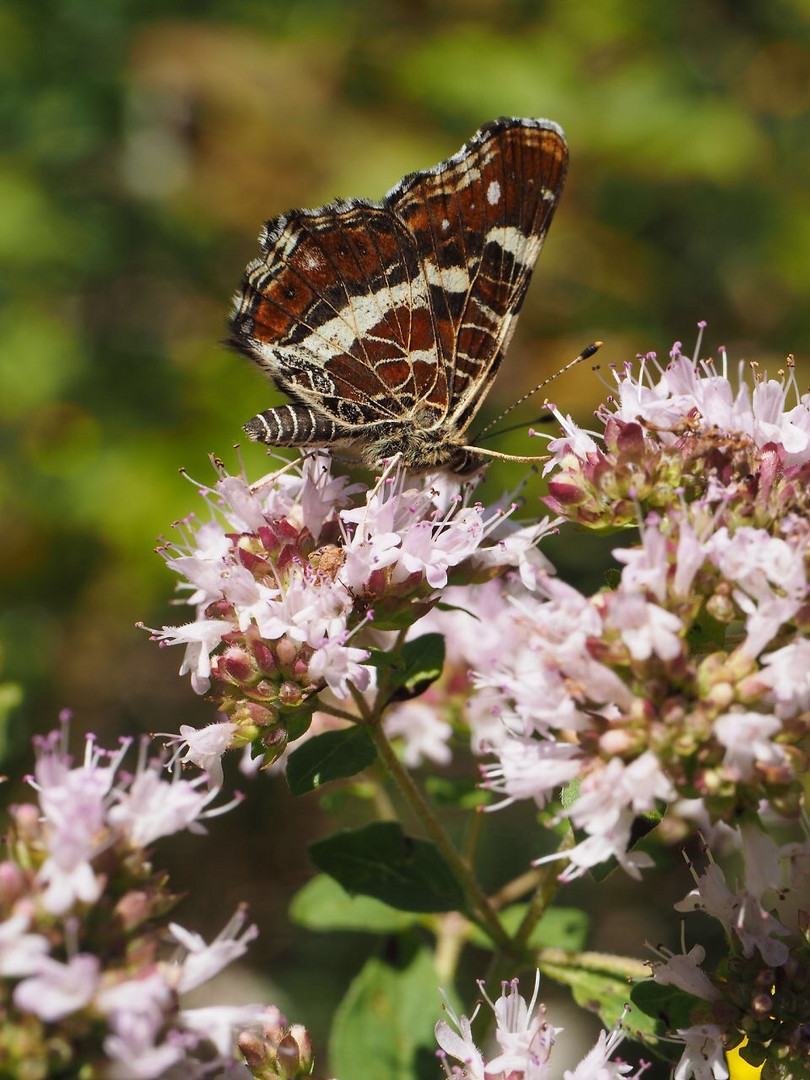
(293, 425)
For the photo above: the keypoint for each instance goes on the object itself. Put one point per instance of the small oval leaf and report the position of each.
(331, 756)
(379, 860)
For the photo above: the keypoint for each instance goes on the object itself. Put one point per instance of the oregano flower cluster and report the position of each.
(289, 578)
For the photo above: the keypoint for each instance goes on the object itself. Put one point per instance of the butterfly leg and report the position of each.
(294, 425)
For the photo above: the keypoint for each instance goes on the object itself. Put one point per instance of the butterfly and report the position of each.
(386, 323)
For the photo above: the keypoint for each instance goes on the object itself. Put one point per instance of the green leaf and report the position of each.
(331, 756)
(666, 1008)
(393, 615)
(560, 927)
(422, 663)
(409, 671)
(603, 984)
(442, 606)
(383, 1029)
(379, 860)
(297, 718)
(323, 905)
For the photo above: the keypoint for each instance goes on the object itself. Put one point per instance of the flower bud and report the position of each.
(264, 655)
(290, 693)
(251, 714)
(26, 822)
(134, 908)
(12, 883)
(235, 666)
(295, 1053)
(258, 1054)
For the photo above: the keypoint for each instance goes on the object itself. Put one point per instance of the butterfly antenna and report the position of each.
(521, 426)
(584, 355)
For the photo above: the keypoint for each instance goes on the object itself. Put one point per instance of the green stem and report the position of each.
(341, 714)
(547, 885)
(477, 901)
(517, 888)
(543, 895)
(451, 936)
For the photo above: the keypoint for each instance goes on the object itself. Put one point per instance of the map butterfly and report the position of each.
(385, 323)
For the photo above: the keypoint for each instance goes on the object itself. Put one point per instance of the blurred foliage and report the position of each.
(144, 143)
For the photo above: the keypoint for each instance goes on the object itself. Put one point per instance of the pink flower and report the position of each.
(596, 1065)
(787, 675)
(532, 769)
(200, 638)
(57, 989)
(151, 806)
(200, 962)
(288, 591)
(704, 1057)
(20, 952)
(136, 1011)
(525, 1040)
(204, 747)
(747, 739)
(684, 971)
(219, 1024)
(522, 1033)
(646, 629)
(424, 733)
(740, 914)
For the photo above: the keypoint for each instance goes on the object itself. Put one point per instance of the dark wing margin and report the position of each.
(479, 220)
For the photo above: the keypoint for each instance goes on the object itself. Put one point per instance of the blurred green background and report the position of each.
(144, 144)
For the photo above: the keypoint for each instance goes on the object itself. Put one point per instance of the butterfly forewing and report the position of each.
(386, 323)
(479, 220)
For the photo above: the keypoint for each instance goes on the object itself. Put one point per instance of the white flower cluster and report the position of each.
(82, 919)
(760, 989)
(688, 677)
(525, 1042)
(288, 573)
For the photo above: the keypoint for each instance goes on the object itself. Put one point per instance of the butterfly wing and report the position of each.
(394, 316)
(337, 310)
(479, 220)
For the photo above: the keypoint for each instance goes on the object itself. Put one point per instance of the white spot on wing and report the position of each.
(524, 249)
(449, 278)
(494, 193)
(313, 260)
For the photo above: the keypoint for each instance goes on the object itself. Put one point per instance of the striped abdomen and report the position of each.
(294, 425)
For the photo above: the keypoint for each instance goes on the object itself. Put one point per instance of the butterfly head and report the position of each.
(422, 450)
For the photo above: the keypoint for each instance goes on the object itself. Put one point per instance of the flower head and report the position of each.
(525, 1041)
(759, 988)
(79, 871)
(291, 577)
(684, 680)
